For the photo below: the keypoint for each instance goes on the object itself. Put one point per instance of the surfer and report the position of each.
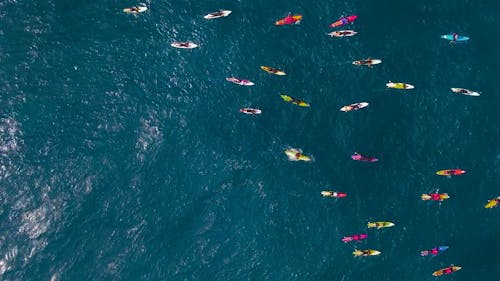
(434, 251)
(343, 33)
(184, 44)
(435, 196)
(367, 62)
(327, 193)
(357, 237)
(358, 157)
(217, 14)
(273, 70)
(252, 111)
(448, 270)
(295, 101)
(289, 19)
(353, 107)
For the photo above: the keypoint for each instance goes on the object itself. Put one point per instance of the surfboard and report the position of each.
(344, 21)
(216, 15)
(492, 203)
(296, 155)
(138, 9)
(184, 45)
(295, 101)
(295, 19)
(441, 271)
(460, 38)
(443, 248)
(380, 224)
(272, 70)
(465, 92)
(329, 193)
(243, 82)
(251, 111)
(358, 253)
(347, 239)
(442, 197)
(343, 33)
(450, 172)
(358, 157)
(363, 62)
(401, 86)
(354, 106)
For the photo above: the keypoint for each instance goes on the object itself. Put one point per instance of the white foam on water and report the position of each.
(150, 137)
(10, 136)
(9, 256)
(3, 267)
(33, 211)
(35, 222)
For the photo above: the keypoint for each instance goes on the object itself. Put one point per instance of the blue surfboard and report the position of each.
(459, 39)
(442, 248)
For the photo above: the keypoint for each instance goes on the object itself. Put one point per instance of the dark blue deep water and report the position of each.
(122, 158)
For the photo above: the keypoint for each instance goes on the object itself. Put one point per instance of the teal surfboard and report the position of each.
(459, 39)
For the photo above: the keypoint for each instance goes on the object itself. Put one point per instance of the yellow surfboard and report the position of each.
(492, 203)
(272, 70)
(442, 271)
(364, 253)
(380, 224)
(450, 172)
(295, 101)
(399, 85)
(296, 155)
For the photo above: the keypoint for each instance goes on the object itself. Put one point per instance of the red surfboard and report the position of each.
(344, 21)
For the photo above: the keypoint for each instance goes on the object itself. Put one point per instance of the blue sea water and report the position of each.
(122, 158)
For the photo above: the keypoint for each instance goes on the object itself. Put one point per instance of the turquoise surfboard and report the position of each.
(459, 39)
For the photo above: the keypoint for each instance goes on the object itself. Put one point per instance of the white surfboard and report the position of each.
(135, 10)
(216, 15)
(243, 82)
(363, 62)
(251, 111)
(343, 33)
(184, 45)
(465, 92)
(354, 106)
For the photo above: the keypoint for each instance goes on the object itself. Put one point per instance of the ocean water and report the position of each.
(122, 158)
